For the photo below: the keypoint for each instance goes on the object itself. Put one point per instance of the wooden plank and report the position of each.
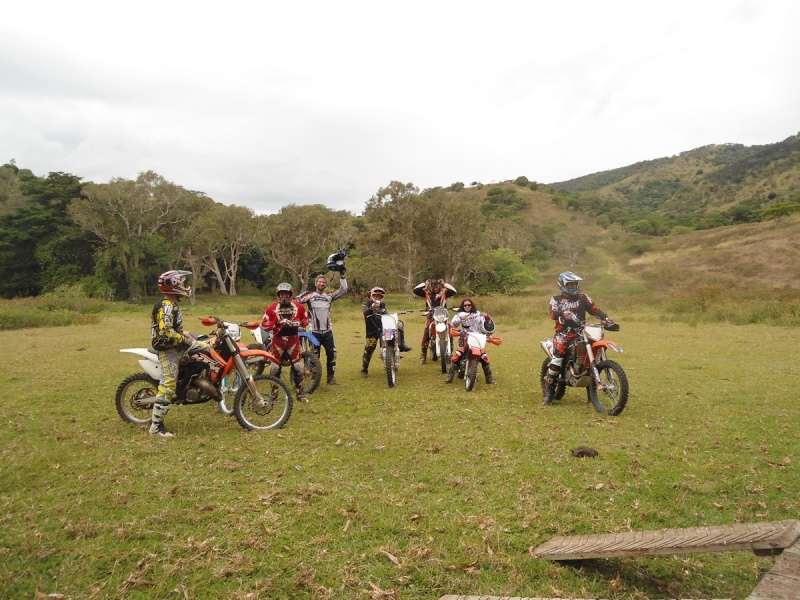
(782, 582)
(764, 537)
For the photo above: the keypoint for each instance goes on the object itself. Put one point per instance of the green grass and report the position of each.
(412, 492)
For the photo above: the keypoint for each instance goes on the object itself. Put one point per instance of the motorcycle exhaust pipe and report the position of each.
(209, 388)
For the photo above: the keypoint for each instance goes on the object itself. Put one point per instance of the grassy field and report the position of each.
(411, 492)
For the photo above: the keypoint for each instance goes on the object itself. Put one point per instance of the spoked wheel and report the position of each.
(471, 374)
(612, 398)
(135, 397)
(256, 365)
(561, 387)
(389, 365)
(229, 388)
(444, 355)
(272, 411)
(313, 369)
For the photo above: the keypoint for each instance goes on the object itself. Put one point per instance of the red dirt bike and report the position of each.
(262, 402)
(475, 347)
(586, 365)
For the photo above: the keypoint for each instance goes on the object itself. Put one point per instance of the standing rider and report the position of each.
(170, 342)
(567, 308)
(436, 292)
(469, 318)
(373, 308)
(285, 318)
(319, 305)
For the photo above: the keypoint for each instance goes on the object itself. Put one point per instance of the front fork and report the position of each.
(247, 377)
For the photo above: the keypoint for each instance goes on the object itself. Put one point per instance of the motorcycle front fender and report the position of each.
(311, 337)
(441, 327)
(607, 344)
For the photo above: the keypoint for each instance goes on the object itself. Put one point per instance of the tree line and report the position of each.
(114, 239)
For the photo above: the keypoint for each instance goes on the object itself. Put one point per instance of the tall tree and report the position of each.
(299, 238)
(131, 218)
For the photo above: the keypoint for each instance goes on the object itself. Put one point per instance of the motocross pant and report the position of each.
(289, 346)
(326, 341)
(169, 360)
(369, 349)
(561, 345)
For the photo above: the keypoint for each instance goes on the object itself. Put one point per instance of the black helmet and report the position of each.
(569, 277)
(336, 261)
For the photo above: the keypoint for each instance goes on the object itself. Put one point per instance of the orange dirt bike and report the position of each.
(261, 402)
(587, 366)
(474, 348)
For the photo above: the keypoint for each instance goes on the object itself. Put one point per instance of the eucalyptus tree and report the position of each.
(398, 227)
(135, 221)
(298, 238)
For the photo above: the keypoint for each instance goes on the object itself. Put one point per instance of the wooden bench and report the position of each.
(782, 582)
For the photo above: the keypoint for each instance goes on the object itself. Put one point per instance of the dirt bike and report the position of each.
(262, 402)
(308, 341)
(440, 342)
(470, 359)
(586, 365)
(390, 345)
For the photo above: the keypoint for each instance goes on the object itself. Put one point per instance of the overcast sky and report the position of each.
(263, 104)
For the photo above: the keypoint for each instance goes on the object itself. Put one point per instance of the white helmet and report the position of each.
(569, 277)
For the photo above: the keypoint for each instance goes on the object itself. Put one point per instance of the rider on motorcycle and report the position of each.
(469, 318)
(568, 308)
(436, 292)
(373, 309)
(284, 319)
(170, 342)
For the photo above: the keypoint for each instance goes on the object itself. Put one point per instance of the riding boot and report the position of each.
(423, 357)
(549, 390)
(487, 373)
(451, 372)
(402, 335)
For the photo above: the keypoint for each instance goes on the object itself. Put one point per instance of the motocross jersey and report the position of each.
(319, 304)
(577, 306)
(468, 321)
(294, 311)
(434, 300)
(166, 331)
(372, 318)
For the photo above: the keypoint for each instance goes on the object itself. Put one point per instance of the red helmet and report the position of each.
(174, 282)
(376, 294)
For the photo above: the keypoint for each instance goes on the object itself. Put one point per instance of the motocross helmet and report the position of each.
(376, 294)
(174, 282)
(569, 277)
(284, 287)
(336, 261)
(486, 326)
(436, 285)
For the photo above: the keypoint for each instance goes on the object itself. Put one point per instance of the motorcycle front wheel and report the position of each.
(444, 356)
(561, 387)
(135, 397)
(613, 396)
(471, 374)
(272, 412)
(389, 365)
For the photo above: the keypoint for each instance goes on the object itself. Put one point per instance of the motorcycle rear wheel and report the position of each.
(313, 367)
(471, 374)
(135, 397)
(273, 413)
(389, 365)
(561, 387)
(611, 400)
